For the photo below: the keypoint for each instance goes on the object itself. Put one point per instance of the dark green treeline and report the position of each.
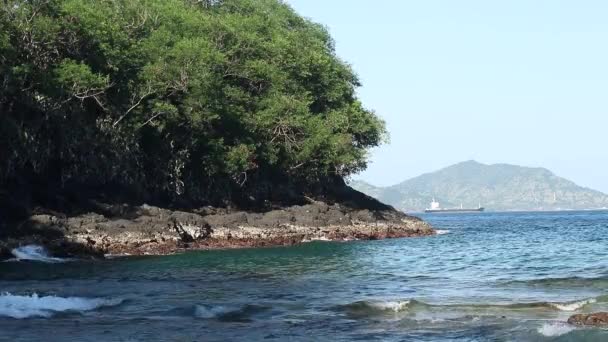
(204, 100)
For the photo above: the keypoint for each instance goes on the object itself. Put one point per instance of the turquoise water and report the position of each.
(492, 277)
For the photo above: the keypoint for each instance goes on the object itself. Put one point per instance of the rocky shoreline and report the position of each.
(149, 230)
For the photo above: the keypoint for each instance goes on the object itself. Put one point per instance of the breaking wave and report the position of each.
(19, 307)
(573, 306)
(368, 308)
(371, 308)
(396, 306)
(34, 253)
(555, 329)
(442, 232)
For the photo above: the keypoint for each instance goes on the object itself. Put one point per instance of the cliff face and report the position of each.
(496, 187)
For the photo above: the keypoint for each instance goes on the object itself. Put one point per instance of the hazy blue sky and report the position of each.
(522, 82)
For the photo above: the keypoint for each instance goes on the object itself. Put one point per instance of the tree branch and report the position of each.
(148, 93)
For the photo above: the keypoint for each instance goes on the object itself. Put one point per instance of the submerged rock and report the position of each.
(593, 319)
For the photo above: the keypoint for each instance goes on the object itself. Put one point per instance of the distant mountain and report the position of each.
(495, 187)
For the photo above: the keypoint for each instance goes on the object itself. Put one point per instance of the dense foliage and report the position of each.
(176, 98)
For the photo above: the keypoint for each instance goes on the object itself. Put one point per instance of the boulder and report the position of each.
(592, 319)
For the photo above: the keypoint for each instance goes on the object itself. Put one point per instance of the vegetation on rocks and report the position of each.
(209, 101)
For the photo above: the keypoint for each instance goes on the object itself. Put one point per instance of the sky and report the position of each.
(520, 82)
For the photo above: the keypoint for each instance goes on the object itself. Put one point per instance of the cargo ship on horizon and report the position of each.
(435, 208)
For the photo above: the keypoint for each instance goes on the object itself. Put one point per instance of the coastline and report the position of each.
(149, 230)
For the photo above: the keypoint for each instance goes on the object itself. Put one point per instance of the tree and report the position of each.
(203, 100)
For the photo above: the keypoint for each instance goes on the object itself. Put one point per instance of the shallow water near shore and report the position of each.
(487, 277)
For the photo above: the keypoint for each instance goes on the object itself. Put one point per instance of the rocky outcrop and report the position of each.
(148, 230)
(598, 319)
(5, 251)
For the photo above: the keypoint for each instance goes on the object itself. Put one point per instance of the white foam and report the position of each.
(20, 307)
(442, 232)
(208, 311)
(555, 329)
(319, 238)
(396, 306)
(34, 253)
(573, 306)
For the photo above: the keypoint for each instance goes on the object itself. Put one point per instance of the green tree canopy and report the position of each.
(189, 98)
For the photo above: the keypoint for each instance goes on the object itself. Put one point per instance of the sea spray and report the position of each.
(25, 306)
(371, 308)
(34, 253)
(396, 306)
(555, 329)
(573, 306)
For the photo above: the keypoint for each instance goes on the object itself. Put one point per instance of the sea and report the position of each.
(485, 277)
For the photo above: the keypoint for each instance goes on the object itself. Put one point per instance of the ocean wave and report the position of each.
(442, 232)
(370, 308)
(396, 306)
(19, 307)
(209, 311)
(365, 308)
(573, 306)
(555, 329)
(567, 282)
(34, 253)
(559, 306)
(229, 314)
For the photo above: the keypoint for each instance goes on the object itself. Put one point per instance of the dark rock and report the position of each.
(593, 319)
(5, 251)
(145, 230)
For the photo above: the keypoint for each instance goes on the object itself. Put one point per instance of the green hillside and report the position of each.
(496, 187)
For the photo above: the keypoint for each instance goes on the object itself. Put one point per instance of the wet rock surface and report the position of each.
(593, 319)
(149, 230)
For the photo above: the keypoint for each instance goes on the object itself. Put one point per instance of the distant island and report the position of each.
(497, 187)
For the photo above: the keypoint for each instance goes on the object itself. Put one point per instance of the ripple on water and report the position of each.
(494, 276)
